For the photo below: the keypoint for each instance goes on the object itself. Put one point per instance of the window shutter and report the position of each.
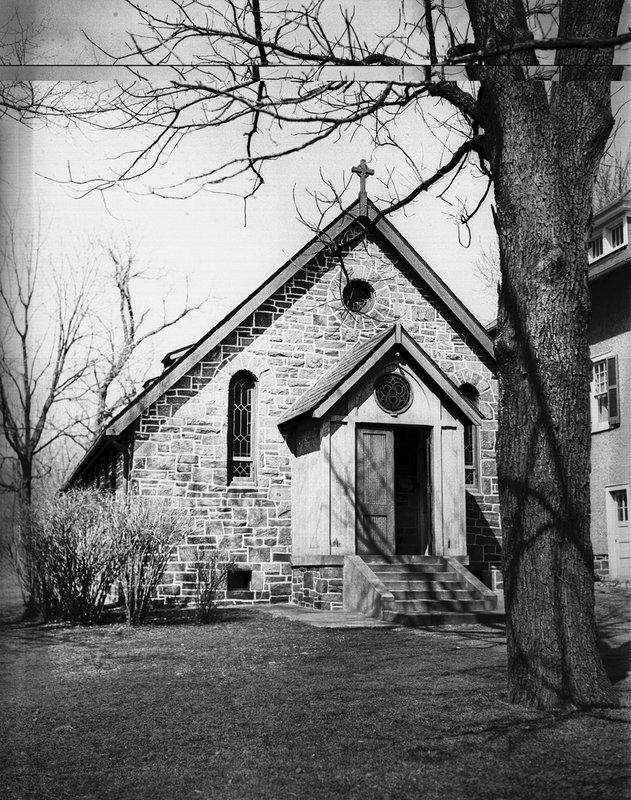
(612, 390)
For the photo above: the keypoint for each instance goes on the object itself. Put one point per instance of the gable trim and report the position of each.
(222, 329)
(396, 337)
(437, 286)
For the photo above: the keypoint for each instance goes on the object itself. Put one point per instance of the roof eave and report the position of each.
(316, 245)
(93, 452)
(398, 337)
(210, 340)
(468, 321)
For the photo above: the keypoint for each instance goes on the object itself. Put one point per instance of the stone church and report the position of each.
(336, 431)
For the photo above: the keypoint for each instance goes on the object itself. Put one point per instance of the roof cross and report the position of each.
(363, 171)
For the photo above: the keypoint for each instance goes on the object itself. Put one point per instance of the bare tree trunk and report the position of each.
(544, 154)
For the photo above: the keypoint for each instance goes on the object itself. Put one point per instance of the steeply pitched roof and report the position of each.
(322, 388)
(335, 383)
(317, 245)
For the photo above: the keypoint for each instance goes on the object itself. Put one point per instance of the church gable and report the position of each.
(342, 378)
(304, 329)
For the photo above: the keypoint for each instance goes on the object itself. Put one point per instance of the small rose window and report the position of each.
(358, 296)
(393, 393)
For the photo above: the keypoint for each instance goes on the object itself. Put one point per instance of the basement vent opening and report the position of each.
(239, 579)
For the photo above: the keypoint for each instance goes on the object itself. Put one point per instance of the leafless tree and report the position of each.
(21, 44)
(487, 266)
(535, 123)
(45, 352)
(613, 177)
(116, 375)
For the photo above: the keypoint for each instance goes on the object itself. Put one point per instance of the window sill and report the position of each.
(611, 250)
(244, 487)
(606, 428)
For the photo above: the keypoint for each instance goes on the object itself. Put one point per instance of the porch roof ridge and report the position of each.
(337, 381)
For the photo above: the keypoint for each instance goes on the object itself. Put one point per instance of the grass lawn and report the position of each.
(261, 707)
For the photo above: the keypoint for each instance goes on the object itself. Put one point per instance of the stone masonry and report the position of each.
(290, 341)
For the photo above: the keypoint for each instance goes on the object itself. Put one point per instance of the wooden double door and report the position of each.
(393, 491)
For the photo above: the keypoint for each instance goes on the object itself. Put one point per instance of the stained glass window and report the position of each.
(393, 393)
(240, 428)
(471, 477)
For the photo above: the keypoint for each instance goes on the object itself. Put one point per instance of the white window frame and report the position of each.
(605, 393)
(594, 240)
(605, 236)
(620, 224)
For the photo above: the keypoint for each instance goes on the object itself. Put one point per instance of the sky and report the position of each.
(209, 239)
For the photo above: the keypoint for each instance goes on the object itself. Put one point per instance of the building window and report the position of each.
(471, 442)
(616, 235)
(358, 296)
(393, 393)
(241, 428)
(596, 246)
(605, 408)
(621, 505)
(607, 240)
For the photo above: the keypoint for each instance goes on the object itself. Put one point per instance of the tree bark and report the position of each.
(544, 152)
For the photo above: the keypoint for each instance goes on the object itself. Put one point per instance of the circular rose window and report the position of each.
(393, 393)
(358, 296)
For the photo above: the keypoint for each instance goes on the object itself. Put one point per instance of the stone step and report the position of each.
(432, 619)
(437, 606)
(417, 569)
(372, 559)
(426, 593)
(419, 582)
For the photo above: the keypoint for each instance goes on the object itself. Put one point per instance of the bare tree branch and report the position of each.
(113, 385)
(40, 365)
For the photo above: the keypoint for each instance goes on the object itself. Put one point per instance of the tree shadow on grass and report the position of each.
(617, 660)
(44, 633)
(161, 617)
(614, 641)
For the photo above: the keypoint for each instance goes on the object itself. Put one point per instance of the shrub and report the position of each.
(68, 556)
(211, 574)
(148, 530)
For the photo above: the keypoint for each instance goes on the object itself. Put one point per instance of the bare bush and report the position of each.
(68, 555)
(211, 574)
(147, 530)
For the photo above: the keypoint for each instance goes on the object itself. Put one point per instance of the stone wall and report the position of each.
(601, 567)
(318, 587)
(180, 451)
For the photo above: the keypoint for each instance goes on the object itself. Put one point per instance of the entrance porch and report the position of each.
(378, 467)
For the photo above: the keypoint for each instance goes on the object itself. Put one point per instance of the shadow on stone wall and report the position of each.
(484, 543)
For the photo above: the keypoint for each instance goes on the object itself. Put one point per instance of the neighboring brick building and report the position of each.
(346, 406)
(610, 351)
